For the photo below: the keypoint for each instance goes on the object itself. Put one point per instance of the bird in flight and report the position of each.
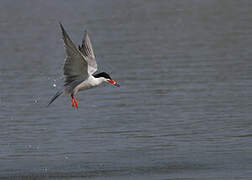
(79, 68)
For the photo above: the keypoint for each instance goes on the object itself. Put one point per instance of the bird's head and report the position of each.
(106, 78)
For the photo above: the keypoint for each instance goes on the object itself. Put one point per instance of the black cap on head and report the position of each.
(102, 74)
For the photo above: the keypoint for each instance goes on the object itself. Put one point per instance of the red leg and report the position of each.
(74, 102)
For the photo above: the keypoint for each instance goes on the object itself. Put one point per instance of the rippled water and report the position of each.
(183, 110)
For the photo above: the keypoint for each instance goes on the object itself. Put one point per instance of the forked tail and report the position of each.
(59, 93)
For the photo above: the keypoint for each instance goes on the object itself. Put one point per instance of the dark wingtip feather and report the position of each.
(60, 24)
(62, 28)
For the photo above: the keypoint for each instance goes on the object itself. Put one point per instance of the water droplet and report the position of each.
(45, 169)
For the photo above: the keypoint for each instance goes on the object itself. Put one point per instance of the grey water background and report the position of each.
(183, 110)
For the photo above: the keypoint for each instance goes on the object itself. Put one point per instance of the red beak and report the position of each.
(113, 82)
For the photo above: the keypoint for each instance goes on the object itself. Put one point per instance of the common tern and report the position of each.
(79, 68)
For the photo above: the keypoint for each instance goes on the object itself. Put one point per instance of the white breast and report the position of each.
(90, 82)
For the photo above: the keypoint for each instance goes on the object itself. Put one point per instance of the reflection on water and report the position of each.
(183, 109)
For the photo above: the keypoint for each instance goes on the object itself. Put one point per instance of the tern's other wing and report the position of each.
(75, 67)
(88, 53)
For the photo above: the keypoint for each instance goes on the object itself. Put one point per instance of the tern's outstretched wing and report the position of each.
(88, 53)
(75, 67)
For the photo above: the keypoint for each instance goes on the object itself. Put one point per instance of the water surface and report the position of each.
(183, 110)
